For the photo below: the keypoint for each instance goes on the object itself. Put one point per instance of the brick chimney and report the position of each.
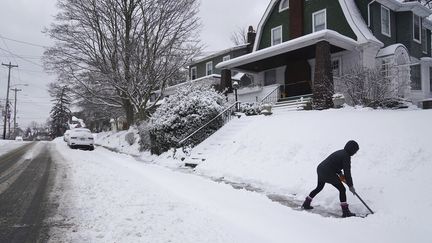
(296, 10)
(251, 36)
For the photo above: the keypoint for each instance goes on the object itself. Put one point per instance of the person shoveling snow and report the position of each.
(330, 171)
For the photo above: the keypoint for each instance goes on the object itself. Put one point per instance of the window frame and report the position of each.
(266, 74)
(226, 58)
(383, 8)
(339, 60)
(325, 19)
(207, 68)
(272, 35)
(192, 71)
(280, 5)
(419, 28)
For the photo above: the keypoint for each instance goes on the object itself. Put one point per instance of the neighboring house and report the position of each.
(206, 66)
(299, 43)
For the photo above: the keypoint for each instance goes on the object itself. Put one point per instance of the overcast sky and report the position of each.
(24, 20)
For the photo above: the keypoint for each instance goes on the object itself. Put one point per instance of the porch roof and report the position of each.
(299, 48)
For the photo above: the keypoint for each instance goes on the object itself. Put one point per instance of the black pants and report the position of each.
(332, 179)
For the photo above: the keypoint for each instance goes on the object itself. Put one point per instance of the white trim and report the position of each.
(226, 58)
(280, 6)
(196, 73)
(413, 26)
(207, 70)
(272, 36)
(330, 36)
(262, 22)
(389, 21)
(325, 18)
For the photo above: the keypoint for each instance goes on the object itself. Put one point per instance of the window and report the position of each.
(416, 28)
(415, 78)
(284, 5)
(226, 58)
(430, 78)
(385, 21)
(424, 40)
(269, 77)
(385, 68)
(193, 74)
(336, 67)
(209, 68)
(319, 20)
(276, 35)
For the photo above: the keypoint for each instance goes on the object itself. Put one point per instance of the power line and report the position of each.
(22, 58)
(23, 42)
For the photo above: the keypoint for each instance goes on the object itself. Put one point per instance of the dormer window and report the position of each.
(276, 35)
(319, 20)
(284, 5)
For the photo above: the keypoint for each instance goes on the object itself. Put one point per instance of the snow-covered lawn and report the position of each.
(114, 198)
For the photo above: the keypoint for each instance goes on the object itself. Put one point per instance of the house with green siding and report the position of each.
(302, 44)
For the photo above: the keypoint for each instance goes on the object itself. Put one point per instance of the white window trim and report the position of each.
(272, 37)
(339, 59)
(196, 73)
(389, 21)
(313, 18)
(207, 70)
(280, 6)
(420, 25)
(226, 58)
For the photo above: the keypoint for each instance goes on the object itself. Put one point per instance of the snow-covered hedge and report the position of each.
(183, 113)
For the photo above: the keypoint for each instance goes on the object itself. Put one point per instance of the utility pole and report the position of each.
(15, 110)
(10, 66)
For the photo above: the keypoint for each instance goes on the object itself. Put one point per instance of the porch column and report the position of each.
(226, 81)
(323, 81)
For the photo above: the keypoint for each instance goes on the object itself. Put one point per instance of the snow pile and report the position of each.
(117, 141)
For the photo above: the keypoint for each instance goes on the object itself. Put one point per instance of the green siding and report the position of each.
(376, 25)
(335, 21)
(335, 17)
(275, 19)
(201, 66)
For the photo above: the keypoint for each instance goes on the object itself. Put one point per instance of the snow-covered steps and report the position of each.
(292, 104)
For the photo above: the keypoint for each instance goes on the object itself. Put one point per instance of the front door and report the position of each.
(297, 78)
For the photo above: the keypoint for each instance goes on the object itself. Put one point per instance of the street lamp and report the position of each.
(235, 86)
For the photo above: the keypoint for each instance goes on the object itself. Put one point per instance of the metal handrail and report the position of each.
(267, 97)
(230, 108)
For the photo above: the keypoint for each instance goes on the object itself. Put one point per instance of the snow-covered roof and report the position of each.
(218, 53)
(400, 6)
(331, 36)
(390, 50)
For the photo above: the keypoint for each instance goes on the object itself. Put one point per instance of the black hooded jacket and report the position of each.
(338, 161)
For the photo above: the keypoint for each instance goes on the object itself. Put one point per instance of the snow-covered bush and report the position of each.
(144, 133)
(130, 138)
(369, 87)
(187, 110)
(250, 109)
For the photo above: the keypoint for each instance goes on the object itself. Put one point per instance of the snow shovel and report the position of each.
(370, 210)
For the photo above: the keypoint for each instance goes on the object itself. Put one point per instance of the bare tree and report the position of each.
(239, 36)
(117, 52)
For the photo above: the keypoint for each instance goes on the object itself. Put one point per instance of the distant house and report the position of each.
(301, 42)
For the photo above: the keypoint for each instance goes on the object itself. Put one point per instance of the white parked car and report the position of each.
(66, 135)
(80, 138)
(18, 138)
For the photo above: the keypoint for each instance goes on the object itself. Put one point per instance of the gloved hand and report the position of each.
(342, 178)
(352, 189)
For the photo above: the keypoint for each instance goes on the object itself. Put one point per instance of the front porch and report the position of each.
(297, 66)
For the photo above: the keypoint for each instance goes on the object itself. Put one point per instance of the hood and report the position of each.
(351, 147)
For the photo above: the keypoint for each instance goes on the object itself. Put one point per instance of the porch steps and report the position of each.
(290, 104)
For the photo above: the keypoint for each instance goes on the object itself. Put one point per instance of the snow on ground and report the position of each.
(114, 198)
(9, 145)
(117, 141)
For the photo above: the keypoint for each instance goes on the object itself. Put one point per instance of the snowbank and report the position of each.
(116, 141)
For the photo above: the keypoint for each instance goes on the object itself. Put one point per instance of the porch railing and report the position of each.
(226, 116)
(273, 96)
